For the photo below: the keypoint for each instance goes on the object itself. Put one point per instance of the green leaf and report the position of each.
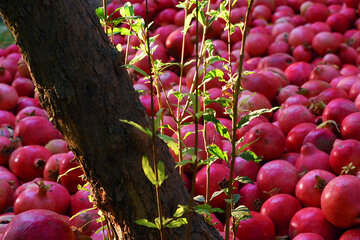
(243, 179)
(217, 193)
(250, 156)
(241, 213)
(176, 223)
(137, 69)
(187, 22)
(83, 211)
(221, 129)
(216, 73)
(225, 102)
(183, 162)
(199, 198)
(161, 172)
(170, 142)
(127, 10)
(149, 173)
(157, 120)
(236, 198)
(138, 126)
(216, 151)
(100, 13)
(180, 210)
(146, 223)
(122, 31)
(214, 59)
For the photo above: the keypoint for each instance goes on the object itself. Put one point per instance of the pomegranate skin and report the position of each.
(351, 234)
(350, 126)
(258, 227)
(280, 209)
(344, 153)
(311, 185)
(292, 116)
(312, 158)
(308, 236)
(312, 220)
(337, 109)
(39, 224)
(28, 162)
(275, 177)
(322, 138)
(295, 138)
(269, 140)
(340, 201)
(35, 131)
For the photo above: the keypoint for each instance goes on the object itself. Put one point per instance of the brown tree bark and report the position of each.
(83, 87)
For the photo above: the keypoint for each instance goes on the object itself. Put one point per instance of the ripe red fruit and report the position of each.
(337, 109)
(174, 45)
(267, 141)
(293, 115)
(280, 209)
(260, 83)
(35, 198)
(311, 185)
(301, 35)
(73, 177)
(296, 135)
(308, 236)
(86, 222)
(23, 86)
(351, 234)
(250, 197)
(39, 224)
(30, 112)
(219, 176)
(350, 126)
(325, 42)
(312, 220)
(277, 177)
(8, 97)
(343, 154)
(6, 196)
(28, 162)
(298, 73)
(306, 162)
(258, 227)
(35, 131)
(80, 200)
(339, 201)
(322, 138)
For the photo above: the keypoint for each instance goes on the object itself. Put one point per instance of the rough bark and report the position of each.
(82, 85)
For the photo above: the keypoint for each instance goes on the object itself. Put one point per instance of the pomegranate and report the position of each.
(35, 198)
(23, 86)
(28, 162)
(308, 236)
(345, 157)
(280, 209)
(29, 112)
(58, 146)
(337, 109)
(351, 234)
(296, 135)
(298, 73)
(311, 185)
(173, 45)
(277, 177)
(39, 224)
(266, 140)
(35, 131)
(312, 220)
(322, 138)
(292, 116)
(219, 177)
(258, 227)
(80, 200)
(250, 197)
(86, 221)
(6, 196)
(73, 177)
(339, 201)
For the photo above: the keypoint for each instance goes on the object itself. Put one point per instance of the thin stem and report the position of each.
(157, 187)
(106, 17)
(191, 203)
(236, 90)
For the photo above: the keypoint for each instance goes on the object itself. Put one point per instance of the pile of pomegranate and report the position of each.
(304, 58)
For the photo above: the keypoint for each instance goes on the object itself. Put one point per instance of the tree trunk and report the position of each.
(83, 87)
